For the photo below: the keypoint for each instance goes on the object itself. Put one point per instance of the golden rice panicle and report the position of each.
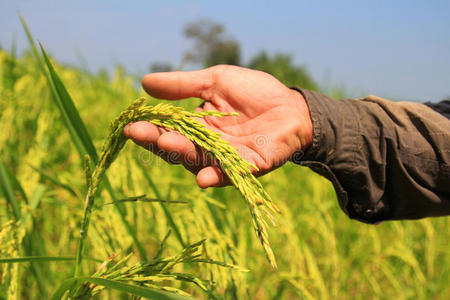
(235, 167)
(184, 122)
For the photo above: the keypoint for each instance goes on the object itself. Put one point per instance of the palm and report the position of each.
(264, 106)
(273, 120)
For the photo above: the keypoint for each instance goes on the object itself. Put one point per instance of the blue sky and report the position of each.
(394, 49)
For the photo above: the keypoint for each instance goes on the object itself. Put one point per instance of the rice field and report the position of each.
(153, 233)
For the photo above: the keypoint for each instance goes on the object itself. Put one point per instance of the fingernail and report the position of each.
(126, 130)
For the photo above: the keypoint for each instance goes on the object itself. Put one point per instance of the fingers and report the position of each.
(211, 176)
(171, 146)
(182, 150)
(180, 85)
(144, 133)
(175, 148)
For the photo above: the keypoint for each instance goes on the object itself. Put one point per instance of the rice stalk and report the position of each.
(184, 122)
(155, 274)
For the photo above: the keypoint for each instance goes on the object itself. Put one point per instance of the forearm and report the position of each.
(386, 160)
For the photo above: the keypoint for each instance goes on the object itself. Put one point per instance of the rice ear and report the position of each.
(184, 122)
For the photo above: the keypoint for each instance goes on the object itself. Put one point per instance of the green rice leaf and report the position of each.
(70, 111)
(54, 180)
(143, 198)
(139, 291)
(35, 259)
(34, 49)
(36, 198)
(81, 137)
(6, 184)
(41, 66)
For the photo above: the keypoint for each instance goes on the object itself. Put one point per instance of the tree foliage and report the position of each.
(282, 67)
(212, 46)
(161, 67)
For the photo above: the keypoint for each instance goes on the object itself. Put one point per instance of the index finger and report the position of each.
(180, 85)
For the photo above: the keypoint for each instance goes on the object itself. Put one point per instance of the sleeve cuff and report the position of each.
(311, 152)
(335, 127)
(334, 150)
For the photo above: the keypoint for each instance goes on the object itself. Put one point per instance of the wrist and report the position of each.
(305, 130)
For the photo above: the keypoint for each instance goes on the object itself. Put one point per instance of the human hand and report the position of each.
(273, 123)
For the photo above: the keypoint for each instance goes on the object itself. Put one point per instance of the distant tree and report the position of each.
(161, 67)
(282, 67)
(211, 45)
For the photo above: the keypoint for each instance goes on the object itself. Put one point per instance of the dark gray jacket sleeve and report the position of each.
(386, 160)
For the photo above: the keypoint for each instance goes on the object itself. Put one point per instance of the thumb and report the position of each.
(180, 85)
